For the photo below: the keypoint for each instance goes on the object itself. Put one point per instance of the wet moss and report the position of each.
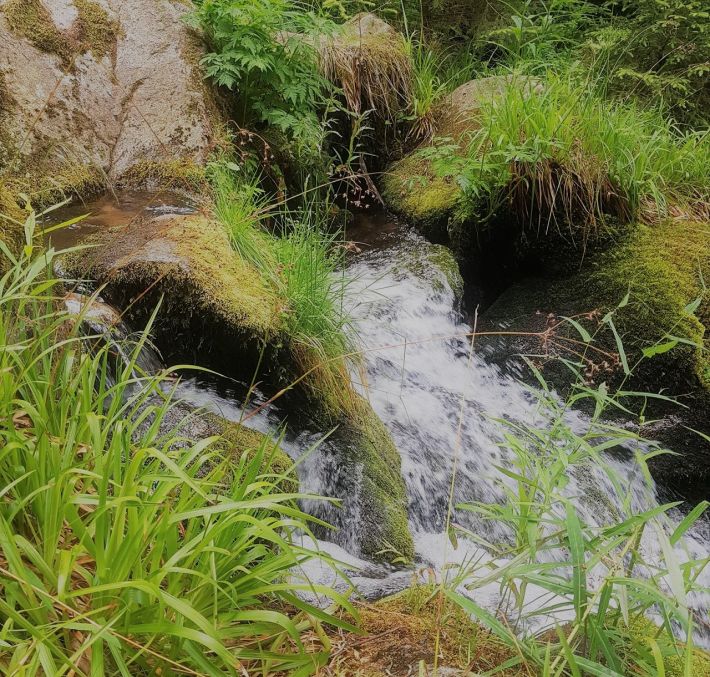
(174, 174)
(92, 31)
(240, 442)
(385, 534)
(420, 260)
(411, 188)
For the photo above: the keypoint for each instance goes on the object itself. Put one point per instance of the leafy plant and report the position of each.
(261, 51)
(125, 546)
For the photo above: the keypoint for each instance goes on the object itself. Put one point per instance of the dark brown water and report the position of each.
(112, 209)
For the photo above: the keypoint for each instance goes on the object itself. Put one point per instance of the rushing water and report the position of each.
(442, 401)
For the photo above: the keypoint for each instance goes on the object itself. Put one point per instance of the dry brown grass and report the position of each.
(400, 637)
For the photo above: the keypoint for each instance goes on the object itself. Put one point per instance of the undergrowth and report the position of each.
(126, 548)
(302, 260)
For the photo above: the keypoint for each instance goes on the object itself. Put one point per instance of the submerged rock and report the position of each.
(90, 89)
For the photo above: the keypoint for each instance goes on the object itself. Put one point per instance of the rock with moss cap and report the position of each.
(662, 269)
(214, 308)
(93, 87)
(412, 187)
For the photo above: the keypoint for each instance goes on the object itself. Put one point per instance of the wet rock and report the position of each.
(214, 308)
(90, 88)
(661, 268)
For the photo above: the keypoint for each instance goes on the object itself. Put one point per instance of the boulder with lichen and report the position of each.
(91, 88)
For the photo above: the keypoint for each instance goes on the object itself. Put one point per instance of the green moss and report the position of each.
(385, 534)
(189, 259)
(93, 30)
(174, 174)
(411, 188)
(662, 268)
(420, 259)
(642, 630)
(98, 32)
(31, 20)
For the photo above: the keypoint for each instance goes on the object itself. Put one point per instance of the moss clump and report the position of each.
(31, 20)
(400, 633)
(174, 174)
(429, 262)
(385, 534)
(662, 269)
(92, 31)
(97, 31)
(411, 188)
(244, 443)
(642, 630)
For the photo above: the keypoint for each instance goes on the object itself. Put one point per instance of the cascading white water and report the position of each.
(440, 398)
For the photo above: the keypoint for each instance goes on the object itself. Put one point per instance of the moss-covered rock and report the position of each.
(428, 197)
(110, 91)
(215, 309)
(382, 499)
(662, 268)
(92, 30)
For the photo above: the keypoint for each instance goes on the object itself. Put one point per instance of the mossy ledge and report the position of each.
(93, 29)
(211, 302)
(662, 269)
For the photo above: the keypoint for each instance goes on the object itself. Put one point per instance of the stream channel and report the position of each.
(441, 400)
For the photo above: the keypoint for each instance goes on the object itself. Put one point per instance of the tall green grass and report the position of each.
(552, 152)
(592, 582)
(126, 548)
(303, 261)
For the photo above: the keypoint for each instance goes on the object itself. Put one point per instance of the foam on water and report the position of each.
(442, 401)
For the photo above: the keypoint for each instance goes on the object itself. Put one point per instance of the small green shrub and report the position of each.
(260, 50)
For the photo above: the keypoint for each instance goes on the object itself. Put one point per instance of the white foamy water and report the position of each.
(442, 401)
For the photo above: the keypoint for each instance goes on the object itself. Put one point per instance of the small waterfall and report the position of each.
(98, 319)
(443, 403)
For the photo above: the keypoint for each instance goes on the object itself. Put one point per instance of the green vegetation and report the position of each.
(125, 548)
(588, 628)
(260, 50)
(93, 30)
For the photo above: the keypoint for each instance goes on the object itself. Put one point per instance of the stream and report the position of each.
(442, 402)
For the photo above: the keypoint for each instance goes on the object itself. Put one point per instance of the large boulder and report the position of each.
(653, 282)
(215, 308)
(91, 90)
